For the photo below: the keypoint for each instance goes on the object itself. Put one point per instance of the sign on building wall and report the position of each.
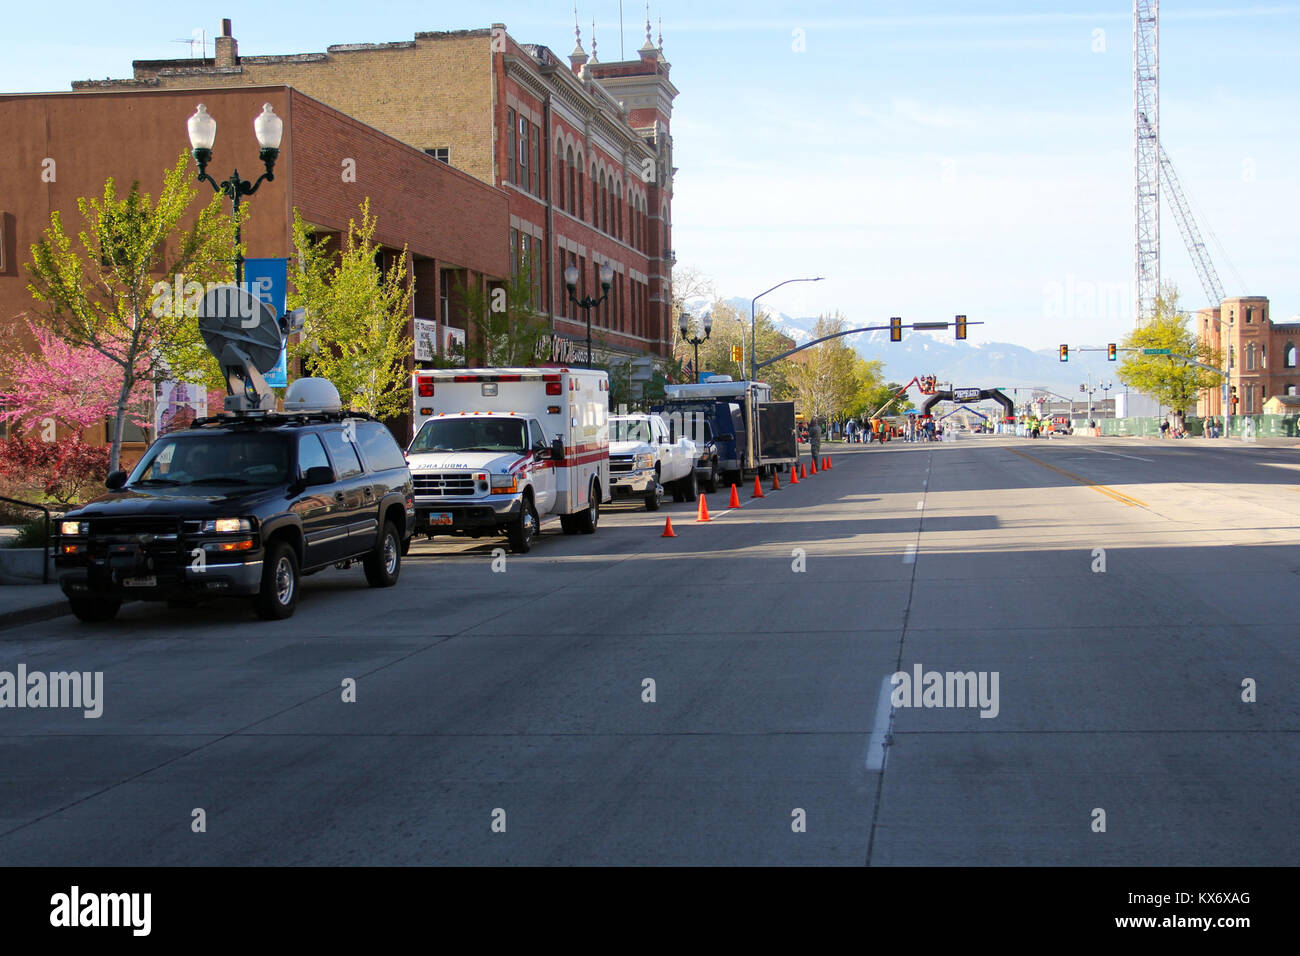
(561, 351)
(426, 341)
(453, 340)
(267, 279)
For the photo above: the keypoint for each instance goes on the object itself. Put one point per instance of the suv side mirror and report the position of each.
(726, 437)
(318, 475)
(115, 480)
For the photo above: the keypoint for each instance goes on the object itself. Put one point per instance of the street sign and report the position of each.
(1156, 351)
(929, 326)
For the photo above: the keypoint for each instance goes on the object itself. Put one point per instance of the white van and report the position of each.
(498, 450)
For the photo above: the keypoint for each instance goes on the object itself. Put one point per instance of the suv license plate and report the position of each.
(440, 517)
(150, 581)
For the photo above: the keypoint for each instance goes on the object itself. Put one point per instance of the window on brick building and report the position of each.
(559, 177)
(573, 179)
(595, 198)
(523, 154)
(1248, 312)
(1289, 356)
(1290, 390)
(514, 252)
(510, 146)
(441, 153)
(1250, 357)
(536, 179)
(582, 190)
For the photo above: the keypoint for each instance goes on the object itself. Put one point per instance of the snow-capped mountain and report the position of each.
(961, 363)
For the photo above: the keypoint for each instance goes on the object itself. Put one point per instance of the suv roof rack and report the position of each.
(276, 419)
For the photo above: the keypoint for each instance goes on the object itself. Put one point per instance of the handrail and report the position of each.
(45, 564)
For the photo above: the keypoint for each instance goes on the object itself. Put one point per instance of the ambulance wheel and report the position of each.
(569, 524)
(679, 490)
(523, 531)
(586, 521)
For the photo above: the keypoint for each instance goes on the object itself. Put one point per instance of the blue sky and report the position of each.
(927, 157)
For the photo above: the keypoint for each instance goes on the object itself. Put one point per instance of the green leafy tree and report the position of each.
(103, 294)
(1166, 378)
(825, 377)
(507, 327)
(355, 333)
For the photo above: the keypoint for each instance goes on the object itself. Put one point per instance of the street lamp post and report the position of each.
(269, 129)
(587, 303)
(1105, 391)
(685, 329)
(753, 333)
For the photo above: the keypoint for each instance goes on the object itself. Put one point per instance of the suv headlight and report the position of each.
(74, 528)
(226, 526)
(505, 483)
(644, 462)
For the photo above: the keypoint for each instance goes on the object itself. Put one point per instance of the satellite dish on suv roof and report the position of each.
(245, 337)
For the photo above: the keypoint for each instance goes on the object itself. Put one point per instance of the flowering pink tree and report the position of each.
(74, 387)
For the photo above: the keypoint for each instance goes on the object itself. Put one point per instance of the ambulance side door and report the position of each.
(543, 470)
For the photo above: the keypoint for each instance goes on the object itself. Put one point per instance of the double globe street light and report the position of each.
(689, 339)
(587, 303)
(269, 129)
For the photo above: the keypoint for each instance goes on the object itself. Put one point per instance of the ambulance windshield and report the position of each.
(471, 434)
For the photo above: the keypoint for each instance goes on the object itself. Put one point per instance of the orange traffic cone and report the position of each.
(776, 480)
(758, 488)
(812, 469)
(827, 466)
(703, 513)
(735, 498)
(794, 475)
(803, 471)
(668, 529)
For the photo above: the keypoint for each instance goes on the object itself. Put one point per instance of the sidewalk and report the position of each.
(25, 603)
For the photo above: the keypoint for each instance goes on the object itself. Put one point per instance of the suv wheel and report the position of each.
(569, 524)
(587, 519)
(278, 596)
(384, 563)
(94, 610)
(523, 531)
(711, 483)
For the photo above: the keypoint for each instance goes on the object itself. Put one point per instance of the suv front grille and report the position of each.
(166, 528)
(443, 483)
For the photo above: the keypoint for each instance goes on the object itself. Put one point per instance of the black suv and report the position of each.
(241, 507)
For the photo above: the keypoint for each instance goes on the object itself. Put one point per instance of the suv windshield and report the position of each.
(214, 459)
(629, 429)
(472, 434)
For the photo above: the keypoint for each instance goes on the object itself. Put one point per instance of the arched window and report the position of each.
(1290, 390)
(582, 193)
(559, 175)
(595, 198)
(600, 204)
(573, 178)
(1289, 355)
(1250, 357)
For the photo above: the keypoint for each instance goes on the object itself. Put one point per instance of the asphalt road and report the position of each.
(517, 695)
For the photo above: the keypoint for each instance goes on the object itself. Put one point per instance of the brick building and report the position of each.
(1261, 354)
(583, 151)
(59, 146)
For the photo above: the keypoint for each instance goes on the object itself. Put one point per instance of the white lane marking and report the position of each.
(1117, 454)
(920, 505)
(909, 556)
(876, 752)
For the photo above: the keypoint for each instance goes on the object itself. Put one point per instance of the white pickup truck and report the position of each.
(645, 458)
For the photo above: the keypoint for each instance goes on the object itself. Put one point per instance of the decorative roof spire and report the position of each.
(579, 56)
(649, 44)
(593, 42)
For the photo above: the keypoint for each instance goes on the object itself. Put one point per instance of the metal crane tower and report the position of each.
(1146, 159)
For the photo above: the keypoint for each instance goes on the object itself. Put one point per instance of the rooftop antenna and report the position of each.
(199, 37)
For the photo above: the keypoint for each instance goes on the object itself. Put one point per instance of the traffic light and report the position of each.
(895, 328)
(737, 353)
(1111, 351)
(961, 326)
(1065, 353)
(1233, 390)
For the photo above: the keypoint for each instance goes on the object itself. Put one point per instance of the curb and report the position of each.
(32, 615)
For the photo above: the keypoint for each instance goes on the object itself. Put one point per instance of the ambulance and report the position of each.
(497, 451)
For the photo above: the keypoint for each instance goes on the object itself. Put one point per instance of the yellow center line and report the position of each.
(1100, 489)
